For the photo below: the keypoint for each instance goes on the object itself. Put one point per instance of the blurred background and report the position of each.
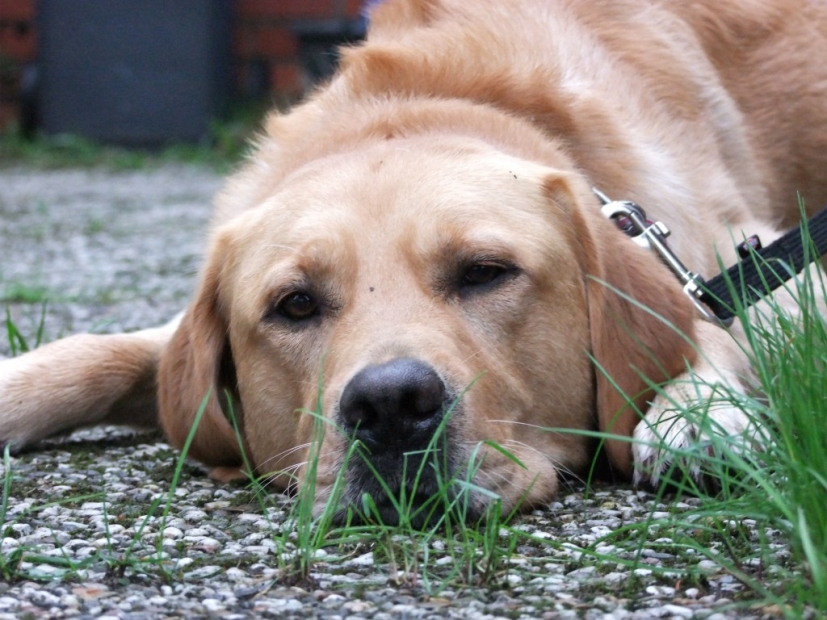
(159, 74)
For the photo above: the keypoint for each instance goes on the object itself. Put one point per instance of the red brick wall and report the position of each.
(264, 41)
(264, 35)
(18, 45)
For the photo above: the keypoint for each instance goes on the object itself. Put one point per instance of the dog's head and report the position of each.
(439, 301)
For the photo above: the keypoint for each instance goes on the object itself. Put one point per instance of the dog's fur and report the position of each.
(422, 232)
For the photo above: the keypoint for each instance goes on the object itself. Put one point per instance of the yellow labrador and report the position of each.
(418, 248)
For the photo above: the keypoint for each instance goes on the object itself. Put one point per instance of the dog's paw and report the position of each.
(701, 416)
(16, 427)
(682, 435)
(12, 424)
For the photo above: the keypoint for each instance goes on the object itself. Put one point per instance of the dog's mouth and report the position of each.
(418, 488)
(402, 463)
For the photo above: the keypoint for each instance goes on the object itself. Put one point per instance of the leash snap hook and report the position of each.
(652, 236)
(694, 290)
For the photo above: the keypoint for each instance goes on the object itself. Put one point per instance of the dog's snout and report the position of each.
(402, 399)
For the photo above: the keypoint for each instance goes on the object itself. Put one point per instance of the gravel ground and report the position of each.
(89, 531)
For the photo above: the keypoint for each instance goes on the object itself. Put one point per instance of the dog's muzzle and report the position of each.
(397, 411)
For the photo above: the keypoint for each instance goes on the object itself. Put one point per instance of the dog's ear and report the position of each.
(197, 363)
(628, 289)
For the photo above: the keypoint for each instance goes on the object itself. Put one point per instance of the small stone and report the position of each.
(678, 611)
(660, 591)
(366, 559)
(203, 572)
(212, 605)
(582, 573)
(195, 516)
(333, 600)
(357, 606)
(183, 563)
(8, 545)
(44, 599)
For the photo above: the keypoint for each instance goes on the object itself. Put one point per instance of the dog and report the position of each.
(414, 257)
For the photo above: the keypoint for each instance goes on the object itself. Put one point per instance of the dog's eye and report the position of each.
(298, 306)
(482, 273)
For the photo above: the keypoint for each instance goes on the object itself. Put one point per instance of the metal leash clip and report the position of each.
(652, 236)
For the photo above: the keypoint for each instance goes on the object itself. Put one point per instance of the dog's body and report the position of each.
(421, 236)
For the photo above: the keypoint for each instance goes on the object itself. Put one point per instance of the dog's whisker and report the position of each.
(558, 466)
(472, 355)
(495, 481)
(287, 471)
(519, 423)
(289, 451)
(524, 446)
(286, 453)
(493, 476)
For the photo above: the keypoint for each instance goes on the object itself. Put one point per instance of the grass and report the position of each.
(734, 526)
(17, 342)
(786, 483)
(222, 148)
(23, 293)
(778, 485)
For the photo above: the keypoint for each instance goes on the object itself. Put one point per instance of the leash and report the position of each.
(741, 285)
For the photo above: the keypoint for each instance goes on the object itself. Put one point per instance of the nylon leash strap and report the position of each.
(763, 270)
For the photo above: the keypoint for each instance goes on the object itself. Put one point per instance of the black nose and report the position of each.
(396, 404)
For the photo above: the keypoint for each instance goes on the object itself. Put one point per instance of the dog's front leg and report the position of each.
(696, 405)
(81, 380)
